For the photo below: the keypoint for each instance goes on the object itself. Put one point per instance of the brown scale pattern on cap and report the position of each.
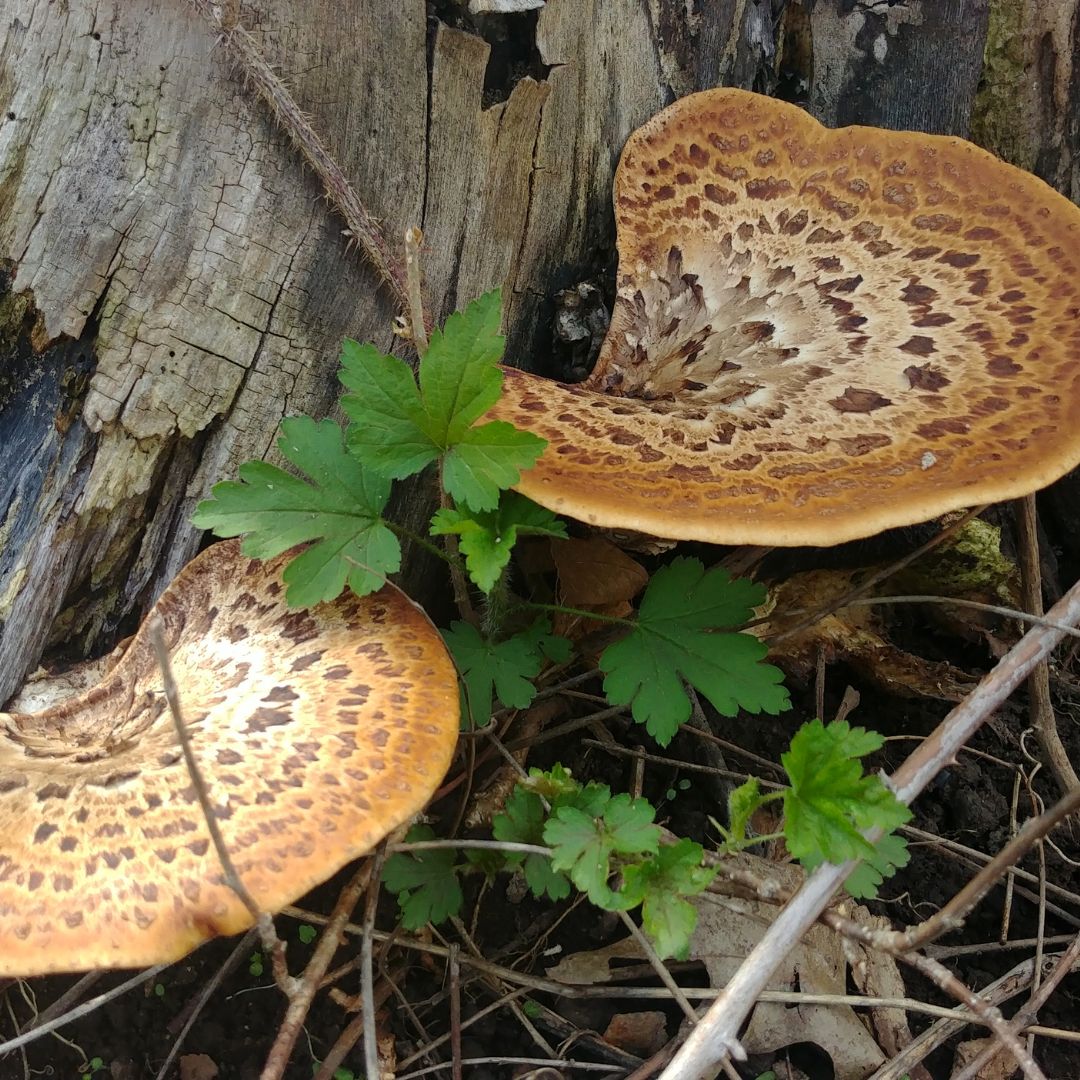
(818, 334)
(318, 732)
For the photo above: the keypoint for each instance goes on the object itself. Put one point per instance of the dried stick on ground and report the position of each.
(996, 993)
(717, 1034)
(80, 1011)
(1030, 1010)
(231, 961)
(1041, 706)
(309, 982)
(990, 1014)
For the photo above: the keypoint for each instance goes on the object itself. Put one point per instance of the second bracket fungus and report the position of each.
(318, 733)
(818, 334)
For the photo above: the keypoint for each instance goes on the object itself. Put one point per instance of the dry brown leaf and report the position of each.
(1001, 1066)
(857, 635)
(641, 1033)
(594, 573)
(728, 928)
(198, 1067)
(876, 975)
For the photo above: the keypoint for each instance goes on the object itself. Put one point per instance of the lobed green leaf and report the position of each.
(676, 637)
(339, 507)
(488, 537)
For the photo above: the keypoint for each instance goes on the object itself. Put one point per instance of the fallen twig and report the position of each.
(311, 979)
(1040, 705)
(80, 1011)
(717, 1034)
(273, 946)
(1027, 1013)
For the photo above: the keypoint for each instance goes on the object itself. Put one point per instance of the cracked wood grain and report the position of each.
(178, 283)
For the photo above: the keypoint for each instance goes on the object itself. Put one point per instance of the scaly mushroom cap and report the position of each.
(817, 335)
(317, 731)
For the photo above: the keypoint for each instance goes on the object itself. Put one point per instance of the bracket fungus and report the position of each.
(318, 733)
(817, 335)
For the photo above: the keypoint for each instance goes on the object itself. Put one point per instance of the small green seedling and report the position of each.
(306, 933)
(673, 793)
(256, 965)
(340, 1073)
(91, 1068)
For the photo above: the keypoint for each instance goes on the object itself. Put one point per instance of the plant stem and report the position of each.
(457, 574)
(414, 286)
(415, 538)
(497, 605)
(242, 50)
(560, 609)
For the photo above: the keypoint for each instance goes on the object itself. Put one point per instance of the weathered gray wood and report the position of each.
(910, 65)
(151, 212)
(185, 286)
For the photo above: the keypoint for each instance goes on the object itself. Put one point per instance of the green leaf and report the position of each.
(400, 427)
(340, 508)
(459, 375)
(425, 882)
(522, 822)
(503, 669)
(675, 638)
(742, 803)
(391, 430)
(487, 459)
(557, 785)
(629, 824)
(488, 537)
(890, 854)
(830, 802)
(659, 884)
(557, 649)
(583, 845)
(581, 848)
(489, 862)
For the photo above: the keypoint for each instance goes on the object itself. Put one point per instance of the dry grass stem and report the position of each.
(241, 49)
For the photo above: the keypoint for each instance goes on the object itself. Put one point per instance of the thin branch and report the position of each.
(477, 845)
(67, 1000)
(872, 581)
(1030, 1010)
(958, 601)
(80, 1011)
(367, 965)
(925, 1043)
(156, 629)
(309, 982)
(242, 50)
(952, 915)
(272, 944)
(658, 965)
(989, 1014)
(717, 1034)
(205, 994)
(1040, 705)
(414, 286)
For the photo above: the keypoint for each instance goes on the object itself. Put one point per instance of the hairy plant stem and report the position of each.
(242, 50)
(497, 605)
